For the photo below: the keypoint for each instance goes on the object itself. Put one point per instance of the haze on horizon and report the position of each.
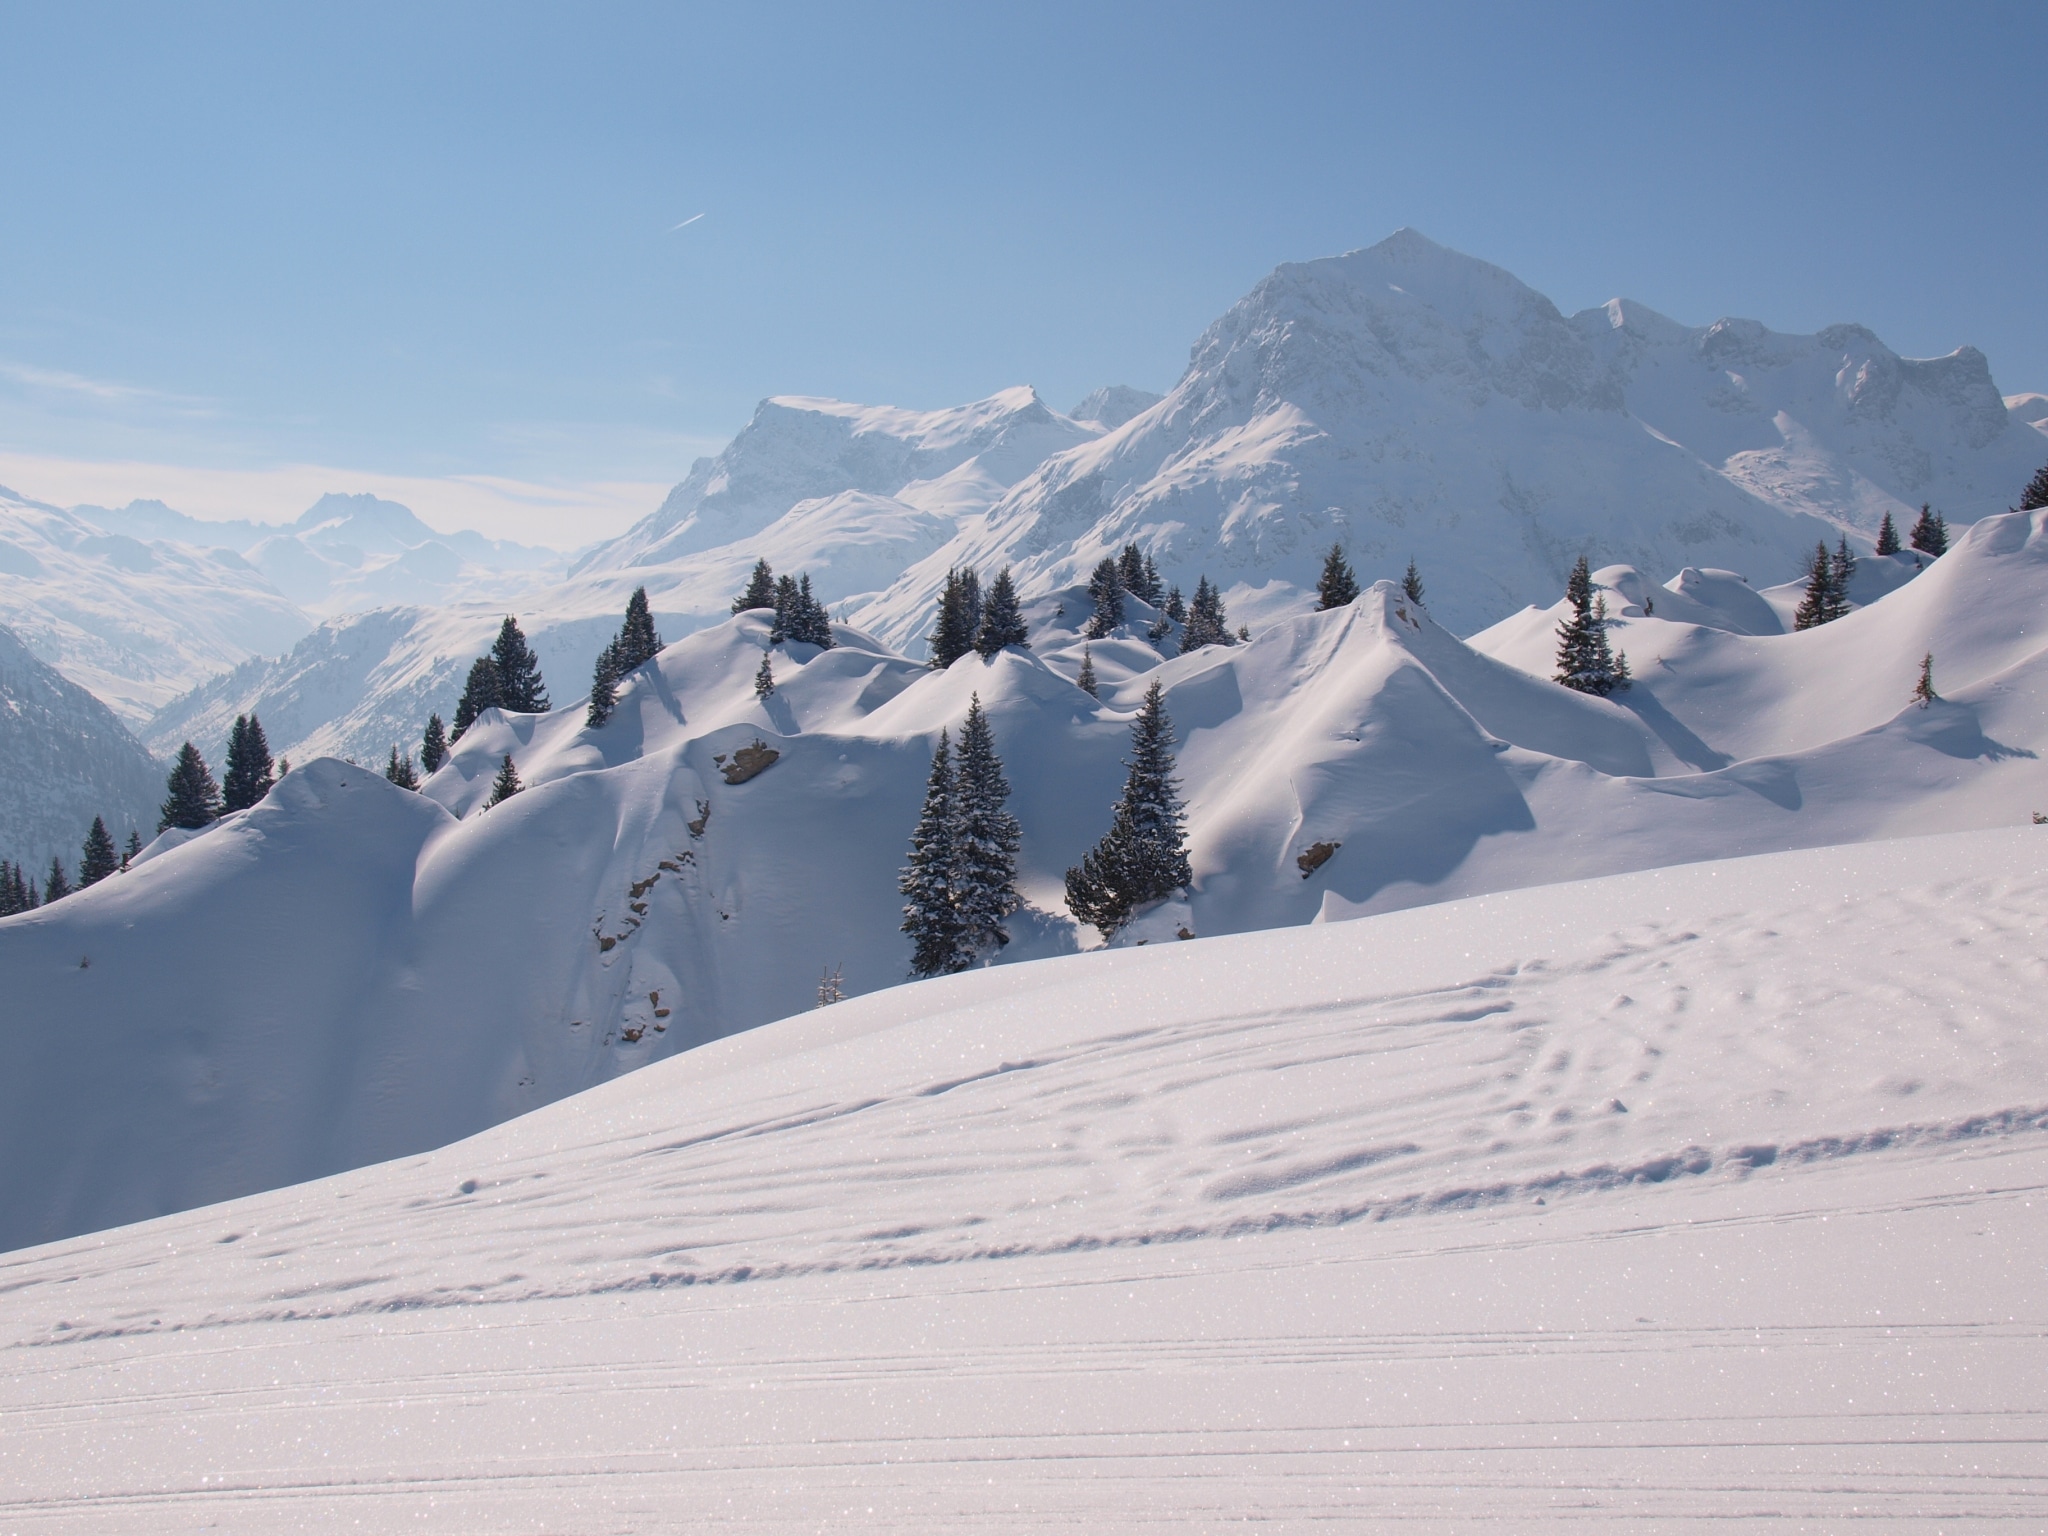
(518, 266)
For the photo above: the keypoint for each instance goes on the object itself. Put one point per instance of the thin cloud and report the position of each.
(693, 218)
(58, 381)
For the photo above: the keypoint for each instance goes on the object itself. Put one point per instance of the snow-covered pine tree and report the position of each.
(953, 636)
(604, 687)
(1106, 591)
(2035, 495)
(1818, 606)
(1002, 619)
(480, 692)
(1585, 661)
(1338, 585)
(985, 839)
(56, 884)
(1154, 591)
(785, 609)
(193, 800)
(97, 858)
(1841, 567)
(1086, 681)
(811, 624)
(519, 682)
(927, 880)
(247, 778)
(1930, 533)
(1923, 691)
(505, 785)
(760, 592)
(1207, 624)
(1176, 607)
(400, 770)
(764, 678)
(1143, 857)
(1411, 584)
(434, 745)
(1887, 536)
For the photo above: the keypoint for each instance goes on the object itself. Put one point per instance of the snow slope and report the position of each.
(64, 759)
(1698, 1198)
(135, 622)
(635, 900)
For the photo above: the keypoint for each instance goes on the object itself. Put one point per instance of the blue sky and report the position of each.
(252, 253)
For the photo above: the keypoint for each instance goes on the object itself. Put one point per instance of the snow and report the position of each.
(1682, 1198)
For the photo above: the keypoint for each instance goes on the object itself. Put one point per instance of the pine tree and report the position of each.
(927, 880)
(764, 678)
(638, 643)
(785, 610)
(97, 859)
(1106, 589)
(519, 683)
(1152, 591)
(985, 839)
(1143, 857)
(1338, 586)
(604, 686)
(13, 895)
(194, 800)
(1841, 567)
(1818, 606)
(2035, 496)
(56, 884)
(1207, 624)
(134, 849)
(506, 785)
(248, 776)
(1887, 536)
(1002, 620)
(760, 592)
(434, 745)
(1930, 533)
(1086, 681)
(400, 771)
(953, 636)
(1411, 584)
(1585, 661)
(481, 692)
(1176, 609)
(1923, 691)
(813, 623)
(1139, 576)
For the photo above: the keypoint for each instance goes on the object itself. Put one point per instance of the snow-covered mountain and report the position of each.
(136, 622)
(1700, 1199)
(444, 966)
(64, 759)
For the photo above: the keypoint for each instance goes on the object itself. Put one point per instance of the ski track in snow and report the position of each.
(1342, 1226)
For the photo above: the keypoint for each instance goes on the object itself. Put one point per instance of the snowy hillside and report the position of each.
(1705, 1198)
(64, 759)
(422, 967)
(136, 622)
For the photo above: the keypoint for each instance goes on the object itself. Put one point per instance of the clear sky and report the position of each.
(250, 253)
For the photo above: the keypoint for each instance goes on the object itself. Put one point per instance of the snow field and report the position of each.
(1700, 1195)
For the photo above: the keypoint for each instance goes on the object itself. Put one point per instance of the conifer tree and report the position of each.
(248, 775)
(479, 693)
(400, 771)
(985, 839)
(97, 858)
(1411, 584)
(134, 849)
(1887, 536)
(1143, 857)
(1176, 608)
(638, 643)
(2035, 496)
(927, 880)
(953, 636)
(56, 884)
(785, 610)
(1207, 624)
(519, 683)
(1585, 661)
(1106, 590)
(434, 745)
(813, 623)
(1841, 567)
(764, 678)
(1139, 576)
(1153, 591)
(13, 894)
(1923, 691)
(193, 800)
(1930, 533)
(1338, 586)
(1818, 606)
(1002, 621)
(760, 592)
(1086, 681)
(604, 686)
(506, 785)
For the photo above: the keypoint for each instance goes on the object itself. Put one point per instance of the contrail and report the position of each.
(693, 218)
